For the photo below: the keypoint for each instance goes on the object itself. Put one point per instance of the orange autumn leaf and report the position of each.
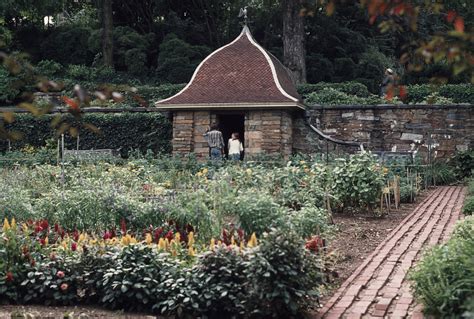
(372, 19)
(459, 24)
(451, 15)
(72, 103)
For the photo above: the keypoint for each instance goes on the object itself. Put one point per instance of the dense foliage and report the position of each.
(118, 131)
(444, 278)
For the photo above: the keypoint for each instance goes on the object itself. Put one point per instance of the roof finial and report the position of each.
(243, 13)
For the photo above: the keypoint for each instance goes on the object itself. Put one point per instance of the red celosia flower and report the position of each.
(75, 235)
(73, 246)
(38, 228)
(107, 235)
(44, 224)
(56, 227)
(240, 232)
(158, 233)
(123, 226)
(9, 276)
(169, 235)
(42, 241)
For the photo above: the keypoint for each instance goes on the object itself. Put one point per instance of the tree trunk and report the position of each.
(107, 30)
(294, 51)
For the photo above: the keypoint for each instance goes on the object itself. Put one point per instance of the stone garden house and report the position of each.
(244, 89)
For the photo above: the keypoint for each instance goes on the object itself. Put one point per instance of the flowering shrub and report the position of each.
(172, 277)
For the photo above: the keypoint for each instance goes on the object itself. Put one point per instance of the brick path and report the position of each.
(379, 288)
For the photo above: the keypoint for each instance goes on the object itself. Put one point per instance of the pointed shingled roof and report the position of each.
(240, 74)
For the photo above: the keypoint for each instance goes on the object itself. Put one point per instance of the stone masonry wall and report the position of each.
(397, 128)
(266, 132)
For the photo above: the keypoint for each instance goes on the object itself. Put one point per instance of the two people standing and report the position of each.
(215, 140)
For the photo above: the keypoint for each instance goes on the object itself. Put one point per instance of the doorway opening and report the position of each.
(232, 123)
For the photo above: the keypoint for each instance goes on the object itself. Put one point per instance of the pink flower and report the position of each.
(60, 274)
(9, 276)
(64, 287)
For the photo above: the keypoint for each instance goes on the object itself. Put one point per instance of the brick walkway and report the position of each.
(379, 288)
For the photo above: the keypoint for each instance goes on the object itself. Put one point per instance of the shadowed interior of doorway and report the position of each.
(232, 123)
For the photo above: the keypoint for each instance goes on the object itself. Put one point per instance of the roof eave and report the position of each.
(231, 106)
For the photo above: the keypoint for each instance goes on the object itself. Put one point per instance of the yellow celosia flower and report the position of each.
(190, 239)
(253, 241)
(162, 244)
(13, 223)
(242, 245)
(6, 225)
(46, 241)
(199, 174)
(205, 171)
(213, 244)
(148, 239)
(249, 171)
(177, 237)
(25, 227)
(191, 251)
(232, 240)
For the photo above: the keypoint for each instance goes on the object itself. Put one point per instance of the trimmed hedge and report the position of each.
(124, 131)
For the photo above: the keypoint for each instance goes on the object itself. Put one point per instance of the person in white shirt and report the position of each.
(235, 147)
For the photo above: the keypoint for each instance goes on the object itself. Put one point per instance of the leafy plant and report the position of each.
(444, 278)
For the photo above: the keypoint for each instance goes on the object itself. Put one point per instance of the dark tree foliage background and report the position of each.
(162, 41)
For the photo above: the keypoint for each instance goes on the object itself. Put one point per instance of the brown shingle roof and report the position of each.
(239, 74)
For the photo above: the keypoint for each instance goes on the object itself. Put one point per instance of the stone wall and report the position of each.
(398, 128)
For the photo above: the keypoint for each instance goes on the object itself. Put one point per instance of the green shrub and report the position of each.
(283, 276)
(256, 211)
(442, 173)
(49, 68)
(8, 90)
(350, 88)
(468, 208)
(464, 163)
(330, 96)
(134, 276)
(458, 93)
(443, 281)
(124, 131)
(309, 220)
(220, 281)
(357, 181)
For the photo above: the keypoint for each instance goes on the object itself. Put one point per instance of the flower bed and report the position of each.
(43, 264)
